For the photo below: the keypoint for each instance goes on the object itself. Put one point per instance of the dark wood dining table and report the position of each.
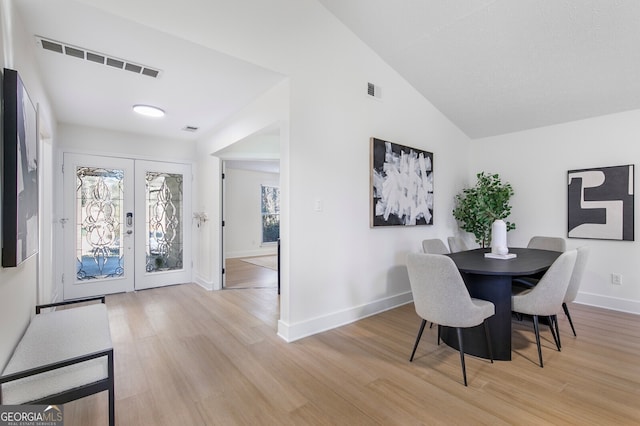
(490, 279)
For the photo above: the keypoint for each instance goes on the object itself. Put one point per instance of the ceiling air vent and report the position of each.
(72, 51)
(49, 45)
(99, 58)
(115, 63)
(150, 72)
(374, 91)
(94, 57)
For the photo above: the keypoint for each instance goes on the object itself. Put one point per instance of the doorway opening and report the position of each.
(251, 225)
(250, 211)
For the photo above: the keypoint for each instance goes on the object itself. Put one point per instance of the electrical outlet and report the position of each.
(616, 279)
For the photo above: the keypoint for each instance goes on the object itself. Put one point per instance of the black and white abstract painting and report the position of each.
(20, 173)
(601, 203)
(401, 185)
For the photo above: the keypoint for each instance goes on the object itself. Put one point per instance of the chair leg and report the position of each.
(464, 370)
(566, 311)
(439, 333)
(488, 336)
(553, 329)
(555, 322)
(415, 346)
(536, 328)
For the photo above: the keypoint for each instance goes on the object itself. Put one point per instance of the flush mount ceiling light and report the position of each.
(148, 110)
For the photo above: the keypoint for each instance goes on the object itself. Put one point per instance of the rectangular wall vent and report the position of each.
(374, 91)
(95, 58)
(99, 58)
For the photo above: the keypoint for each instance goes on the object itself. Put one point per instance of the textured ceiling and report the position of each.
(500, 66)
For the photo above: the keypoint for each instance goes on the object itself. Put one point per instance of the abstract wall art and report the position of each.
(600, 203)
(20, 173)
(401, 189)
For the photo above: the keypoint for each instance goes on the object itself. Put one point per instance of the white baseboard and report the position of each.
(207, 285)
(293, 332)
(608, 302)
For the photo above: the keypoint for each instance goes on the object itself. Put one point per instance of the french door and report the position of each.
(127, 225)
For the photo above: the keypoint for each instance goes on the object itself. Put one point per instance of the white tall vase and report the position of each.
(499, 237)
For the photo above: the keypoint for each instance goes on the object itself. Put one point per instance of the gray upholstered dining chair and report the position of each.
(540, 243)
(547, 243)
(457, 244)
(440, 296)
(546, 298)
(574, 283)
(434, 246)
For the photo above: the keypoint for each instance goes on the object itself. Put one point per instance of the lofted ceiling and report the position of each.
(499, 66)
(491, 66)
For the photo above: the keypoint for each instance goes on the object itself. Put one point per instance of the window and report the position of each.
(270, 208)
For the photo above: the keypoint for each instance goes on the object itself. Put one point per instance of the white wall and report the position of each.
(243, 218)
(74, 138)
(335, 269)
(536, 163)
(90, 140)
(18, 286)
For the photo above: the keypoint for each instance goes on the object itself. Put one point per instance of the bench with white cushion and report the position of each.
(63, 355)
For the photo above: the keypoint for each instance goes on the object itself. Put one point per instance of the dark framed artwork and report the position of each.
(401, 185)
(20, 172)
(600, 203)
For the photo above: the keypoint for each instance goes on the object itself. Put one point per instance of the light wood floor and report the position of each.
(240, 274)
(186, 356)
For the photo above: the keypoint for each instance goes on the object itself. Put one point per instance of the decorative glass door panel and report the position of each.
(99, 223)
(165, 243)
(164, 221)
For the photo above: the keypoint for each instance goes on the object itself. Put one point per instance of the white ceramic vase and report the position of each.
(499, 237)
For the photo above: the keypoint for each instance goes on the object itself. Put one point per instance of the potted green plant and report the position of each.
(159, 261)
(479, 206)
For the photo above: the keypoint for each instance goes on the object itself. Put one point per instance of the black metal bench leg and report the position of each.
(112, 394)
